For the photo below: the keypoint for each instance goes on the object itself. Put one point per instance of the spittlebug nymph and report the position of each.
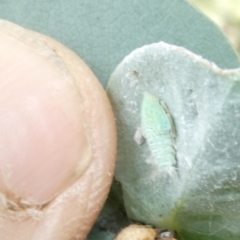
(158, 130)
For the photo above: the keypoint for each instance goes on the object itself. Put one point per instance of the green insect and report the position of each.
(158, 130)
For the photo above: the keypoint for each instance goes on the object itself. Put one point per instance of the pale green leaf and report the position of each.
(201, 201)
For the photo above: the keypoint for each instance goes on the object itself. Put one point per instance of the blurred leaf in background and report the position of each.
(226, 14)
(103, 32)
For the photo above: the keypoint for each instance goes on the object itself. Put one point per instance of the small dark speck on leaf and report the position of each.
(134, 73)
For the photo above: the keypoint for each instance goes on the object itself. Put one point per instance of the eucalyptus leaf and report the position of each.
(103, 32)
(201, 200)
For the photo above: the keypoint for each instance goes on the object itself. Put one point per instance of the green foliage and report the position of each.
(201, 201)
(103, 32)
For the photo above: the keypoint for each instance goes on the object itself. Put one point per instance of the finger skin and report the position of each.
(71, 214)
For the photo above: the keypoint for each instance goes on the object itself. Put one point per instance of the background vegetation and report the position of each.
(226, 14)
